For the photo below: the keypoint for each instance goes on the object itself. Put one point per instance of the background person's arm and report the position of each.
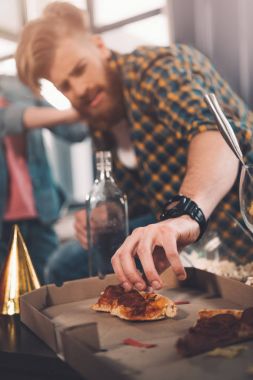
(65, 124)
(211, 172)
(21, 110)
(20, 116)
(38, 117)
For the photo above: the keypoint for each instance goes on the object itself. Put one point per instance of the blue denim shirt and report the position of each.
(46, 193)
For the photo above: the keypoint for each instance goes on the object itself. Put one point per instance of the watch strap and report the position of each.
(185, 206)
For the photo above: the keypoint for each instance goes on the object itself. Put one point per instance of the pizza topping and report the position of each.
(222, 326)
(182, 302)
(110, 294)
(227, 352)
(247, 316)
(108, 297)
(137, 343)
(134, 301)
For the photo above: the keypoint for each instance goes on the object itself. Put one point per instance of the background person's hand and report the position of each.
(81, 227)
(72, 115)
(157, 246)
(99, 218)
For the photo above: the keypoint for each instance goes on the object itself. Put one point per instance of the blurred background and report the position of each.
(222, 29)
(123, 25)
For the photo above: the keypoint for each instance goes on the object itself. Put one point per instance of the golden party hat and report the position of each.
(18, 275)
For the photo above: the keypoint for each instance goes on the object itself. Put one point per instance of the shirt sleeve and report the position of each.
(14, 99)
(76, 132)
(177, 100)
(11, 119)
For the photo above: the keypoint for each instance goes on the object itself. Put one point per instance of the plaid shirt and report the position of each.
(164, 92)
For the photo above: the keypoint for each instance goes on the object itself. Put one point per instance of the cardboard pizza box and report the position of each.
(92, 342)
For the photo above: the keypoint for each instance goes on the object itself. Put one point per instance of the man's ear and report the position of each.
(99, 43)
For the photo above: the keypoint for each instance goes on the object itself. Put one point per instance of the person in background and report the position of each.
(179, 163)
(29, 197)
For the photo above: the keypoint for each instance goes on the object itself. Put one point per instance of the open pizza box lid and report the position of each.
(92, 343)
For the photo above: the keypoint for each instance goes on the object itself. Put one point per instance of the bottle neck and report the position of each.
(103, 165)
(104, 174)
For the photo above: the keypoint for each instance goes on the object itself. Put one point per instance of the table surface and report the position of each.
(23, 356)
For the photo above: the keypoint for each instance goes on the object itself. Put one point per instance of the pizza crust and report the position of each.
(209, 313)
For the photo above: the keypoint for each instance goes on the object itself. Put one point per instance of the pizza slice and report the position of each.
(134, 305)
(217, 328)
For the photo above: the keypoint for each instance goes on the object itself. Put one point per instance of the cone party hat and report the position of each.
(18, 275)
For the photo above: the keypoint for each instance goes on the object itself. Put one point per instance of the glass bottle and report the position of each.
(107, 217)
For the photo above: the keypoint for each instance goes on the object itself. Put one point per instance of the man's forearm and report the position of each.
(211, 171)
(38, 117)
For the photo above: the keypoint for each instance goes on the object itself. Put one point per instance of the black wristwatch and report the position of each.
(180, 205)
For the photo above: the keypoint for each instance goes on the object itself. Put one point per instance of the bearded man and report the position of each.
(148, 107)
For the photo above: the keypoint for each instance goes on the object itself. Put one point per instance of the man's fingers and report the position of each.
(82, 240)
(120, 273)
(131, 272)
(80, 216)
(169, 244)
(80, 228)
(144, 252)
(80, 222)
(81, 235)
(124, 256)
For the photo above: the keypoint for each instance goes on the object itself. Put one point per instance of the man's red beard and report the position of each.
(111, 110)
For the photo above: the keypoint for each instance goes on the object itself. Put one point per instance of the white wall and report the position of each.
(222, 29)
(71, 165)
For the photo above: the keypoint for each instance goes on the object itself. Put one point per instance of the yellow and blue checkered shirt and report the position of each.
(164, 90)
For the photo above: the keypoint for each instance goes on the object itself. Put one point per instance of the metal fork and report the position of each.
(224, 126)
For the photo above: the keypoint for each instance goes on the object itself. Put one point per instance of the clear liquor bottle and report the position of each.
(107, 217)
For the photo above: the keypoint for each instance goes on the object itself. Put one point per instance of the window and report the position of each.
(8, 67)
(35, 8)
(7, 48)
(124, 25)
(133, 22)
(106, 12)
(151, 31)
(11, 18)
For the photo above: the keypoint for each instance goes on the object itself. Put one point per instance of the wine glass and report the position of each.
(246, 195)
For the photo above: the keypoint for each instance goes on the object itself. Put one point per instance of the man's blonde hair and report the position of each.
(40, 39)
